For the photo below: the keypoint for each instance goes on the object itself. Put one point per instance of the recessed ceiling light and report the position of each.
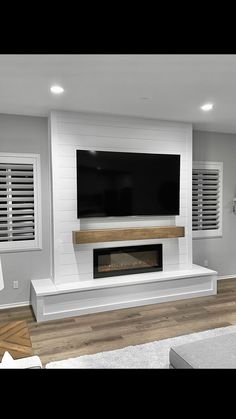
(145, 98)
(57, 90)
(207, 107)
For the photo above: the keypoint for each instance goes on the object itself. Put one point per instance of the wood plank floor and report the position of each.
(61, 339)
(15, 338)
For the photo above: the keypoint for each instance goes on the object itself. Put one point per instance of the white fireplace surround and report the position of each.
(72, 290)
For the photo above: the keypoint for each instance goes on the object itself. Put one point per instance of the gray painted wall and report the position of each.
(221, 251)
(26, 134)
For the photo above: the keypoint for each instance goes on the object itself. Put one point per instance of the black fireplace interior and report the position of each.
(116, 261)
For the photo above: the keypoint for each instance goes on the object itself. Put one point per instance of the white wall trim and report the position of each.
(227, 277)
(14, 305)
(50, 201)
(1, 276)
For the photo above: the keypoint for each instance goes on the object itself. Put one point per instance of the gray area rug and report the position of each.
(148, 355)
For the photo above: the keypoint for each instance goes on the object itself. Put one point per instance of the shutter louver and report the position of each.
(206, 199)
(17, 218)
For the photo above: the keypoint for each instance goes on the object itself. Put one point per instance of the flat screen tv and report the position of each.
(114, 184)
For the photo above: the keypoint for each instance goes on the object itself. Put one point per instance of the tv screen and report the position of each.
(114, 184)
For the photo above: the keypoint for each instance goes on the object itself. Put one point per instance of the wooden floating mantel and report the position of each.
(116, 234)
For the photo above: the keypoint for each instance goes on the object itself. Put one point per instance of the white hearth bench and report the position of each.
(56, 301)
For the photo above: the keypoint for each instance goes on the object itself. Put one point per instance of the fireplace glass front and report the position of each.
(116, 261)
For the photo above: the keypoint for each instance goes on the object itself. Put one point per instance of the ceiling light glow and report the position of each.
(207, 107)
(145, 98)
(57, 90)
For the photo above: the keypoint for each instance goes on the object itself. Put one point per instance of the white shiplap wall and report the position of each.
(71, 131)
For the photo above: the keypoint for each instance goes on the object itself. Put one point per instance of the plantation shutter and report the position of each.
(206, 199)
(17, 200)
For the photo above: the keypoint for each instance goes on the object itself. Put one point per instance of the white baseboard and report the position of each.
(226, 277)
(13, 305)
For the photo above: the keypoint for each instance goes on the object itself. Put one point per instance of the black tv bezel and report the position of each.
(130, 215)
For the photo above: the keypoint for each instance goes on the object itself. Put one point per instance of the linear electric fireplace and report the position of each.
(115, 261)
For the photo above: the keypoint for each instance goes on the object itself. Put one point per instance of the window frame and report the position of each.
(201, 234)
(27, 245)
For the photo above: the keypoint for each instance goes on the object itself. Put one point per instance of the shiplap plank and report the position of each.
(68, 118)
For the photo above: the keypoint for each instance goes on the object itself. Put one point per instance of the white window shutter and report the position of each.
(16, 202)
(207, 199)
(20, 206)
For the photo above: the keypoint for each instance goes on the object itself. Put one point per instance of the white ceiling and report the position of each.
(177, 84)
